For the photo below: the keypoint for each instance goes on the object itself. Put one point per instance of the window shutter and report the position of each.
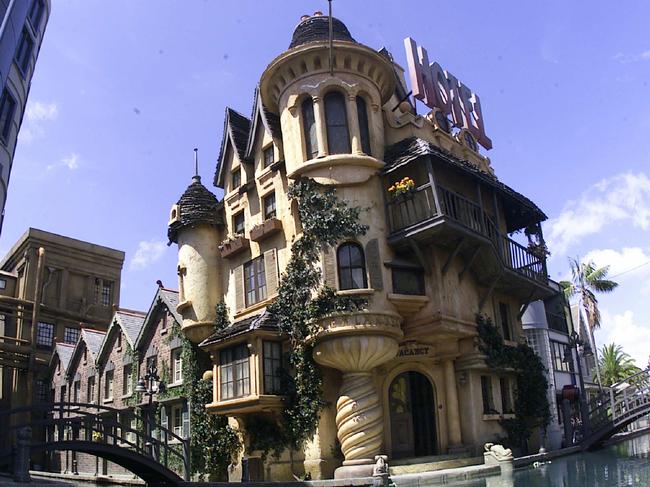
(374, 265)
(271, 272)
(186, 421)
(163, 416)
(329, 267)
(239, 288)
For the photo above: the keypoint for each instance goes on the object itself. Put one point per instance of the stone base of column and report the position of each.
(351, 469)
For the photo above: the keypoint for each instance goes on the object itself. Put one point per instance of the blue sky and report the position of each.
(124, 90)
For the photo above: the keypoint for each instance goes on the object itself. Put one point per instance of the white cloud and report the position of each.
(630, 260)
(624, 197)
(71, 162)
(626, 330)
(147, 253)
(632, 58)
(36, 114)
(37, 111)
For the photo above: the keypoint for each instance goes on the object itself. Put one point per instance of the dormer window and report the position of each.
(236, 178)
(309, 128)
(269, 156)
(364, 129)
(336, 119)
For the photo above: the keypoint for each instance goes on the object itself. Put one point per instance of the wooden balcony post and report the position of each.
(432, 182)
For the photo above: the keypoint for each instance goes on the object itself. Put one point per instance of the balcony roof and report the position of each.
(520, 211)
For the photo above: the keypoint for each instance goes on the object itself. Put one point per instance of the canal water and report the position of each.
(623, 464)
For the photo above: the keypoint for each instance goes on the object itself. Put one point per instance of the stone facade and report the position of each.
(405, 377)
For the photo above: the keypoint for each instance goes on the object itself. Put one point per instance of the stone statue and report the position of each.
(499, 453)
(380, 472)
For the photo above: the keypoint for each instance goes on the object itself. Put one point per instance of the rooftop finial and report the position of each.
(196, 177)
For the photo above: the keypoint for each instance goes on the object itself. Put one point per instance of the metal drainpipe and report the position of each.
(35, 314)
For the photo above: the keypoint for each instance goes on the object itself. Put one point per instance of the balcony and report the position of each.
(456, 219)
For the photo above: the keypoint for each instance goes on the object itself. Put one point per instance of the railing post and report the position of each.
(613, 404)
(186, 462)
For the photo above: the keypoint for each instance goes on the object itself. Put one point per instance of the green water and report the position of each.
(624, 464)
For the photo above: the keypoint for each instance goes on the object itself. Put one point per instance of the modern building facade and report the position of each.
(404, 377)
(548, 326)
(21, 34)
(49, 286)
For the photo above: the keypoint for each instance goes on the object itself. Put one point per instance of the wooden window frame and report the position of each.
(255, 290)
(272, 364)
(274, 213)
(235, 359)
(349, 269)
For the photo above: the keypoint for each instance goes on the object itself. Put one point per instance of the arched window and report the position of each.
(352, 266)
(336, 118)
(364, 130)
(309, 128)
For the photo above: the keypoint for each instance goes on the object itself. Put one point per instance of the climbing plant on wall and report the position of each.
(302, 300)
(531, 406)
(214, 444)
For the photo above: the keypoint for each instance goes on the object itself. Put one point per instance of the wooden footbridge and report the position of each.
(614, 409)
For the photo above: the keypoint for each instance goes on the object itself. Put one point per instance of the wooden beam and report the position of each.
(453, 255)
(468, 264)
(525, 306)
(490, 290)
(420, 256)
(434, 189)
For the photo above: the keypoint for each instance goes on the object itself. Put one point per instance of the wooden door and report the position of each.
(401, 417)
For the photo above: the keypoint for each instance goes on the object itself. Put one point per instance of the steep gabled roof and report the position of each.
(236, 128)
(520, 210)
(164, 297)
(270, 122)
(129, 322)
(64, 353)
(92, 340)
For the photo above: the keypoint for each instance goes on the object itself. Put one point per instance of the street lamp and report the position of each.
(575, 343)
(150, 385)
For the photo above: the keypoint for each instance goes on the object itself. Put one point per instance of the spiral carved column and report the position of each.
(355, 344)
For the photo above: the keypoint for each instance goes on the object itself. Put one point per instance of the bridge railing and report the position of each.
(619, 404)
(63, 421)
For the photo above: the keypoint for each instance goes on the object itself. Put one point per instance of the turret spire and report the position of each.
(196, 165)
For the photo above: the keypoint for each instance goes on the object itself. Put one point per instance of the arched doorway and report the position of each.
(412, 416)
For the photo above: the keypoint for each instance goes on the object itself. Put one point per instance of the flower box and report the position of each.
(233, 246)
(266, 229)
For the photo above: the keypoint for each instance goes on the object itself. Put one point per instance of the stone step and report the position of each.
(419, 466)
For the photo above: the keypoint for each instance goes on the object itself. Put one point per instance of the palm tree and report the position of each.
(615, 364)
(586, 281)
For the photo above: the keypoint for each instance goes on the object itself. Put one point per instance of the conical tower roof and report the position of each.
(197, 206)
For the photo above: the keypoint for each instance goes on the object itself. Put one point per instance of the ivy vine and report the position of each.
(301, 301)
(531, 406)
(214, 444)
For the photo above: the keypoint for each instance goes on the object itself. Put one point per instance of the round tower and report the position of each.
(194, 224)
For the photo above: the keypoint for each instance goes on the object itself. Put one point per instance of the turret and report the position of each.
(329, 101)
(194, 224)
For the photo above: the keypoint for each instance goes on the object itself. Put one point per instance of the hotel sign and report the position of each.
(440, 89)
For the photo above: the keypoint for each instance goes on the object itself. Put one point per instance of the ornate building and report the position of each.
(404, 377)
